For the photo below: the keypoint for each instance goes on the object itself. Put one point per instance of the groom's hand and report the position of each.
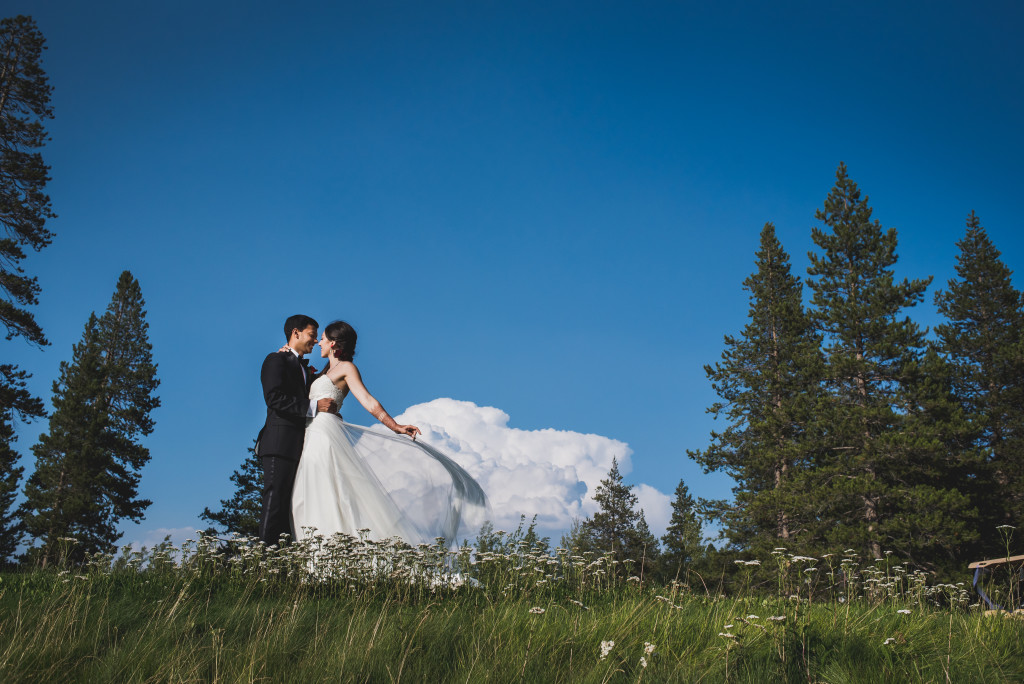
(326, 406)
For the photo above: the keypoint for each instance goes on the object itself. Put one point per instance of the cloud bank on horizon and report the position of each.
(550, 473)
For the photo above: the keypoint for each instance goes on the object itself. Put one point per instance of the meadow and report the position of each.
(356, 610)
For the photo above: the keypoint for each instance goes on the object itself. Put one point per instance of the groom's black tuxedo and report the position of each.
(286, 393)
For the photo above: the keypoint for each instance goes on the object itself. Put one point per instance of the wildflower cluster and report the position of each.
(517, 570)
(358, 564)
(842, 577)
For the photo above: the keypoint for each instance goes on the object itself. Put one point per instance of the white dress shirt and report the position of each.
(311, 411)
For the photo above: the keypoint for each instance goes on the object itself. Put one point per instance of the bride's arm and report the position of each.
(356, 386)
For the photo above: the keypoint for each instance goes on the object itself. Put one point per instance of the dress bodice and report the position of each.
(324, 388)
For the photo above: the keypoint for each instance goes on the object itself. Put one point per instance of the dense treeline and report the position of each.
(846, 425)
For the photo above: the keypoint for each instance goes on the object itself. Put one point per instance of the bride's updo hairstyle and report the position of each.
(344, 338)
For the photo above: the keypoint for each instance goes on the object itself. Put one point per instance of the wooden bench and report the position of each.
(979, 568)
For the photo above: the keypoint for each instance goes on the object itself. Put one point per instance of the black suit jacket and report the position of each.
(287, 398)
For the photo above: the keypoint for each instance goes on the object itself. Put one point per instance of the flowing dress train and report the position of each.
(351, 478)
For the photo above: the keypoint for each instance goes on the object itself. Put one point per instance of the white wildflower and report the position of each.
(753, 617)
(903, 611)
(727, 635)
(536, 610)
(606, 648)
(889, 641)
(777, 618)
(648, 648)
(643, 661)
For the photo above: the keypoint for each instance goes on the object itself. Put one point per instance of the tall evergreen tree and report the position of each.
(15, 401)
(614, 524)
(88, 464)
(241, 513)
(24, 206)
(684, 539)
(24, 209)
(769, 383)
(983, 339)
(618, 527)
(877, 472)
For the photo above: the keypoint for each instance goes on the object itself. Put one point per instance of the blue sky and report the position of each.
(547, 208)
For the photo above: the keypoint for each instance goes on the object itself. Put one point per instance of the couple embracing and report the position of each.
(324, 476)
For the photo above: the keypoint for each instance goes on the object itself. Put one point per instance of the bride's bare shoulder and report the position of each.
(342, 369)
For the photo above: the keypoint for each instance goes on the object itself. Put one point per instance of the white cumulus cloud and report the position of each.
(550, 473)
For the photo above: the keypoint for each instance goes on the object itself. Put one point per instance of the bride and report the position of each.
(352, 479)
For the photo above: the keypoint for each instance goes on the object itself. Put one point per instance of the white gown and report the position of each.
(352, 478)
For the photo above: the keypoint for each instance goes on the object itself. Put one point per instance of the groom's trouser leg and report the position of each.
(278, 480)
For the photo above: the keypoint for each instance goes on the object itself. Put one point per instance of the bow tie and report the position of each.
(304, 362)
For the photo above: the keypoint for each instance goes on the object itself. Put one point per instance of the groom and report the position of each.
(286, 380)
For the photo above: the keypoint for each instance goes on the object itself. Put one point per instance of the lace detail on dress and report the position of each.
(323, 388)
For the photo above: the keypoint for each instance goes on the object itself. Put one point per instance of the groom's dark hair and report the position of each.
(298, 322)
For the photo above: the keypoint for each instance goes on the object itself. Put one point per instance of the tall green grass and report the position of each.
(356, 611)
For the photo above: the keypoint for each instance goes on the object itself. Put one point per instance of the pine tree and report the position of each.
(769, 383)
(614, 524)
(24, 209)
(87, 465)
(618, 527)
(876, 472)
(983, 339)
(684, 539)
(15, 402)
(241, 513)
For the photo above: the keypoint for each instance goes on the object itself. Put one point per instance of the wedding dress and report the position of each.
(352, 478)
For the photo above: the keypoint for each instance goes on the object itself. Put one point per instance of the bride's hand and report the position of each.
(410, 430)
(284, 348)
